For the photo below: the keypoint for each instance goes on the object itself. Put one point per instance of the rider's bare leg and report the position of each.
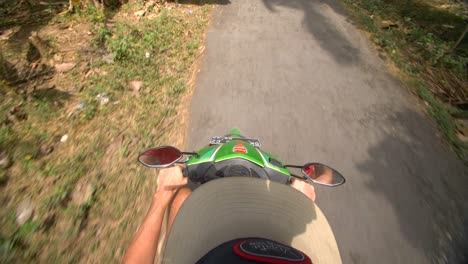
(179, 199)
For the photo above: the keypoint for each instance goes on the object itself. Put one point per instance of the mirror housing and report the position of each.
(322, 174)
(160, 157)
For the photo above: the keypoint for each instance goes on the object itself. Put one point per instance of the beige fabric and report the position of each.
(236, 207)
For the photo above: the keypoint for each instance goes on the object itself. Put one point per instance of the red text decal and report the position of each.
(239, 148)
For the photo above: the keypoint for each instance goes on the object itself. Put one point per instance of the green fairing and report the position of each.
(226, 151)
(204, 155)
(280, 169)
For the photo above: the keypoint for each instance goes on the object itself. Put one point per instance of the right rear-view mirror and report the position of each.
(322, 174)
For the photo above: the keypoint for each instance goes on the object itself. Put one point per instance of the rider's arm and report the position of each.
(144, 246)
(304, 187)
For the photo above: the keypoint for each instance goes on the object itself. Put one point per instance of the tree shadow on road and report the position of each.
(322, 28)
(425, 184)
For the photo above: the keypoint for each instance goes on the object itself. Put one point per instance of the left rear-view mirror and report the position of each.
(160, 157)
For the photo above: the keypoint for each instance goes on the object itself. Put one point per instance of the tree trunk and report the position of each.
(462, 36)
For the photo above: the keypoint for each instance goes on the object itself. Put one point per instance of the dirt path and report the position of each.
(299, 76)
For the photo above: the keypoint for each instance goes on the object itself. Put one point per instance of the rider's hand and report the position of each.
(171, 179)
(304, 187)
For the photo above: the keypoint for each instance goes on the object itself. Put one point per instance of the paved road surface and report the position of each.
(299, 76)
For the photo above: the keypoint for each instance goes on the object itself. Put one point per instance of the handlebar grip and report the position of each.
(185, 171)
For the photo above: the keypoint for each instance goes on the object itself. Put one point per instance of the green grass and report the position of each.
(425, 33)
(103, 140)
(16, 240)
(424, 37)
(444, 118)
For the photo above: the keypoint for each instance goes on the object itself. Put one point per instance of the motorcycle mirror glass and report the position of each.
(160, 157)
(322, 174)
